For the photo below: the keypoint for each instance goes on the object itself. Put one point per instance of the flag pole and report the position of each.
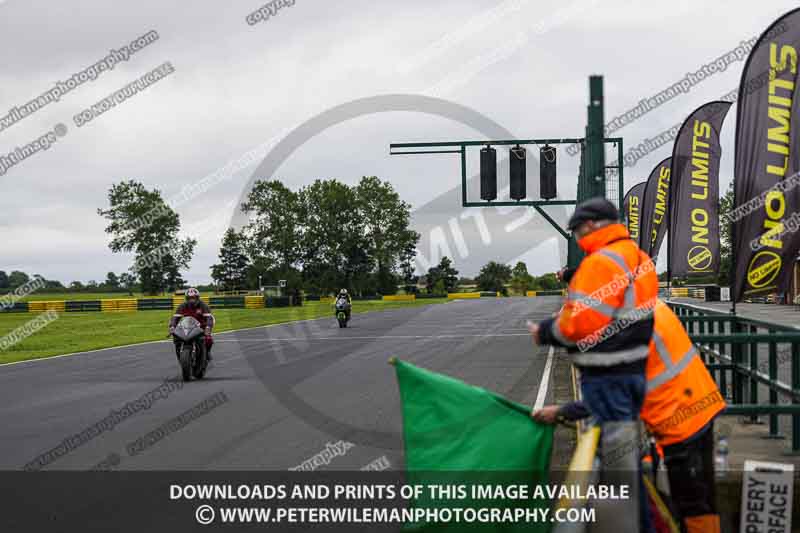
(669, 233)
(732, 268)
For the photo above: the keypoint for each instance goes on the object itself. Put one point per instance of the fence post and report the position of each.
(753, 381)
(702, 327)
(773, 394)
(723, 372)
(736, 357)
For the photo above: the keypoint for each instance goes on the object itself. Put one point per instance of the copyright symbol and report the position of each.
(204, 514)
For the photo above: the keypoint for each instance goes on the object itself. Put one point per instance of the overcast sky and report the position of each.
(466, 69)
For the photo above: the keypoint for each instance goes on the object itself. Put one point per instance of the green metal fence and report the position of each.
(744, 355)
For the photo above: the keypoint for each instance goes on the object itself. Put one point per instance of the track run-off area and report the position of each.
(304, 395)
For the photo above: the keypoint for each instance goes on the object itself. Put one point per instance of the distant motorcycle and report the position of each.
(342, 307)
(191, 347)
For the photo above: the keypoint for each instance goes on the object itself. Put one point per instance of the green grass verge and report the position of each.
(79, 332)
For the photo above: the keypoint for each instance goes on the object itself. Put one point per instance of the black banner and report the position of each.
(767, 197)
(694, 192)
(654, 210)
(632, 210)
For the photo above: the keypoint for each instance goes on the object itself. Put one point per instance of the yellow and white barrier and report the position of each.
(38, 307)
(253, 302)
(126, 304)
(462, 295)
(399, 298)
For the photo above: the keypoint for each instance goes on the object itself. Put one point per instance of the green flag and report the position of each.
(457, 433)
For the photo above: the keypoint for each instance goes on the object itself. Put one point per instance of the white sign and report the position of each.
(282, 283)
(767, 497)
(725, 294)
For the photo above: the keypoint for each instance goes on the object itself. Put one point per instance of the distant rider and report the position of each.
(343, 294)
(197, 308)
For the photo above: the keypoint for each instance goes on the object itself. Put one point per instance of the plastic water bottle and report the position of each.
(721, 458)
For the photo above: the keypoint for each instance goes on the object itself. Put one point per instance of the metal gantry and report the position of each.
(591, 175)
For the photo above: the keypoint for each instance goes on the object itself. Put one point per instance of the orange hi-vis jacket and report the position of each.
(606, 320)
(681, 396)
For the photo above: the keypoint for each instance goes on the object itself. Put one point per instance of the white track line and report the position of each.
(543, 385)
(376, 337)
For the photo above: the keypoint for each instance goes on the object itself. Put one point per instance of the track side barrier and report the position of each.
(463, 295)
(254, 302)
(41, 306)
(152, 304)
(399, 298)
(555, 292)
(83, 306)
(228, 302)
(17, 307)
(127, 304)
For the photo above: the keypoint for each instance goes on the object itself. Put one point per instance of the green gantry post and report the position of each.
(592, 170)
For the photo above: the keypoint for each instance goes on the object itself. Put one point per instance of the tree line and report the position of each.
(493, 277)
(123, 282)
(322, 237)
(319, 238)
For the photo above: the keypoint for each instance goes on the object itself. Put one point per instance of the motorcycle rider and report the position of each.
(197, 308)
(343, 294)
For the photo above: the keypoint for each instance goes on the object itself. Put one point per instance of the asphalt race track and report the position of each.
(276, 396)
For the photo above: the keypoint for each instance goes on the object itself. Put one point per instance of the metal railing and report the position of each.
(745, 354)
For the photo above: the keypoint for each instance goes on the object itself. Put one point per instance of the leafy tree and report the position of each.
(54, 284)
(128, 282)
(17, 278)
(275, 230)
(112, 282)
(4, 283)
(444, 273)
(386, 219)
(521, 280)
(438, 287)
(231, 271)
(408, 269)
(334, 248)
(76, 286)
(493, 277)
(548, 282)
(330, 235)
(141, 222)
(92, 286)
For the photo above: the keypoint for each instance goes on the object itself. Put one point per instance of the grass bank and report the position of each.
(79, 332)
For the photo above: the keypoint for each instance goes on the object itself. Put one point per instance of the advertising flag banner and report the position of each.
(694, 192)
(766, 192)
(632, 210)
(654, 210)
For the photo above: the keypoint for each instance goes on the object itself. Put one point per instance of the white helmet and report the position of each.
(343, 291)
(192, 293)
